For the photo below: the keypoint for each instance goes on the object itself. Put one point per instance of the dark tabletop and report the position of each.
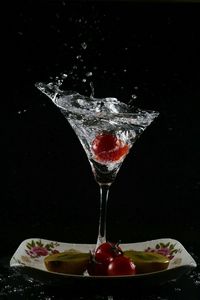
(145, 51)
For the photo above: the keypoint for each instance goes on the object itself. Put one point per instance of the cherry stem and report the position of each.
(116, 249)
(118, 243)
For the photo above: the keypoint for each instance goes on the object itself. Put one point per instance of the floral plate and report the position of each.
(31, 253)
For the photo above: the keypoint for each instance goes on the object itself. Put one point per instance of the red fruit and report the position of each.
(106, 252)
(102, 257)
(107, 147)
(121, 265)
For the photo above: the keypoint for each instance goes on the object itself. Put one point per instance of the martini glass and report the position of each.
(107, 129)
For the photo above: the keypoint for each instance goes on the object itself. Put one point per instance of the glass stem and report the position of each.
(104, 192)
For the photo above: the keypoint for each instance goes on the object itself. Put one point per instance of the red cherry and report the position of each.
(120, 266)
(107, 147)
(102, 257)
(107, 251)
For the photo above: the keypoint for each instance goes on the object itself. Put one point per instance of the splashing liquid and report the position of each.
(90, 116)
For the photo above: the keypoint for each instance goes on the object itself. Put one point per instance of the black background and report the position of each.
(148, 51)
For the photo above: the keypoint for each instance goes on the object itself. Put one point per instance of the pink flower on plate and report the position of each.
(38, 251)
(36, 248)
(164, 251)
(167, 250)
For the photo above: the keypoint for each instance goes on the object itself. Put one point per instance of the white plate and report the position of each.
(31, 253)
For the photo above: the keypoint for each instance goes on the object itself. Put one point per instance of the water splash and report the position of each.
(110, 108)
(14, 284)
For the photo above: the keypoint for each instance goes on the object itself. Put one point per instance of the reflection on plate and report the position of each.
(31, 253)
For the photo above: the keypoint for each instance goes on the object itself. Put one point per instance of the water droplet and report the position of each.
(22, 111)
(133, 96)
(64, 75)
(92, 89)
(84, 45)
(88, 74)
(197, 282)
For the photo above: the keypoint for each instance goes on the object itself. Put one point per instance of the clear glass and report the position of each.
(104, 192)
(107, 129)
